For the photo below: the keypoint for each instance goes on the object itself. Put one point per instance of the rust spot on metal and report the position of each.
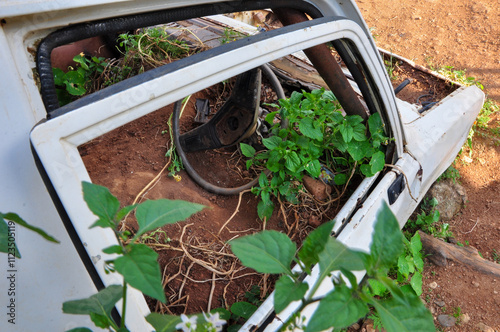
(3, 22)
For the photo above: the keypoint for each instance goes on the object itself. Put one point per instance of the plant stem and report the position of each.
(124, 304)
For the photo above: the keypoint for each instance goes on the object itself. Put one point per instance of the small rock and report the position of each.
(317, 188)
(475, 284)
(314, 221)
(484, 328)
(464, 318)
(447, 320)
(433, 285)
(467, 159)
(439, 303)
(450, 196)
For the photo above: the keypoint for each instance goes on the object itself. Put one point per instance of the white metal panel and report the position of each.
(47, 274)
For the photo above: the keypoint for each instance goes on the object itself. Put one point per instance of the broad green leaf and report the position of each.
(243, 309)
(163, 323)
(286, 291)
(265, 252)
(265, 209)
(292, 162)
(366, 170)
(416, 244)
(374, 123)
(7, 245)
(100, 303)
(314, 244)
(358, 150)
(403, 266)
(419, 262)
(58, 76)
(155, 214)
(347, 131)
(310, 129)
(400, 317)
(247, 150)
(416, 283)
(102, 203)
(80, 329)
(377, 162)
(340, 179)
(359, 132)
(387, 243)
(223, 313)
(75, 83)
(140, 269)
(272, 142)
(313, 168)
(335, 256)
(270, 117)
(340, 308)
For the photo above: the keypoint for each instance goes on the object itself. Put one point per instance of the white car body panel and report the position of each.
(49, 274)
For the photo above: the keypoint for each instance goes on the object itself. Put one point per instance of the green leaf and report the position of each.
(314, 244)
(140, 269)
(114, 249)
(272, 142)
(377, 288)
(286, 291)
(123, 212)
(270, 117)
(223, 313)
(247, 150)
(346, 131)
(377, 162)
(335, 256)
(292, 162)
(387, 243)
(416, 283)
(101, 321)
(339, 308)
(100, 303)
(80, 329)
(403, 266)
(102, 203)
(374, 123)
(265, 252)
(340, 179)
(19, 221)
(243, 309)
(155, 214)
(416, 244)
(358, 150)
(310, 129)
(7, 245)
(313, 168)
(265, 209)
(163, 323)
(400, 317)
(75, 83)
(58, 76)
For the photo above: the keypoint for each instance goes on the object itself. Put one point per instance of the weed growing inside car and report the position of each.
(317, 134)
(345, 304)
(143, 51)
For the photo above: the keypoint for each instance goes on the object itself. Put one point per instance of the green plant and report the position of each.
(390, 66)
(230, 35)
(317, 134)
(8, 245)
(77, 81)
(136, 262)
(273, 252)
(377, 322)
(429, 222)
(496, 256)
(457, 312)
(411, 264)
(450, 173)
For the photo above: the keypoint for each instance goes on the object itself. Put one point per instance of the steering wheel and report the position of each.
(234, 122)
